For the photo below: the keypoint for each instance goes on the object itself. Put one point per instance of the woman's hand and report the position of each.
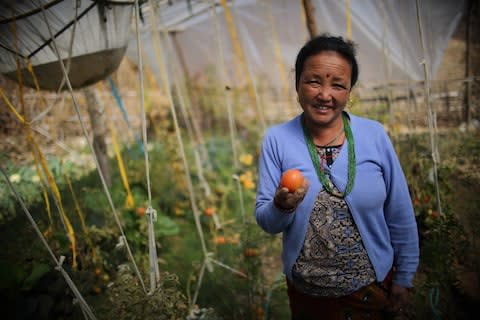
(398, 298)
(288, 201)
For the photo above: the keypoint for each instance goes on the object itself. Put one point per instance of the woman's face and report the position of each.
(324, 88)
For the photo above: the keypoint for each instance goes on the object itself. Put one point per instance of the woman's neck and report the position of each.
(326, 135)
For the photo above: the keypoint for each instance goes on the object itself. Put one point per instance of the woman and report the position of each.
(350, 242)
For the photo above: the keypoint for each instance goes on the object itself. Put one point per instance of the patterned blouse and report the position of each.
(333, 261)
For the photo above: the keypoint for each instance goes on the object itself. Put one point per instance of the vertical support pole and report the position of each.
(99, 128)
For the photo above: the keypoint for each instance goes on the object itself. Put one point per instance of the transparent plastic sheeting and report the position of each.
(101, 28)
(386, 34)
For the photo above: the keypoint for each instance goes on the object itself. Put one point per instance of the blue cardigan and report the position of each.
(379, 201)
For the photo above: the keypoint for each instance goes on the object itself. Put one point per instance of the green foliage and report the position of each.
(28, 185)
(443, 241)
(126, 299)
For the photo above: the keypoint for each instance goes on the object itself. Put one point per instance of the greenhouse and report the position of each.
(132, 153)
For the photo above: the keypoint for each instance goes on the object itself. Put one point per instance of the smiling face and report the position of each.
(324, 88)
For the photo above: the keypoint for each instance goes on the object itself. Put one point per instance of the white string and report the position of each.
(199, 283)
(223, 265)
(207, 263)
(258, 106)
(151, 213)
(102, 178)
(432, 122)
(182, 104)
(83, 304)
(166, 83)
(62, 83)
(228, 102)
(46, 135)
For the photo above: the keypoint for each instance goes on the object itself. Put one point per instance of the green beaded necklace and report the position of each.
(324, 179)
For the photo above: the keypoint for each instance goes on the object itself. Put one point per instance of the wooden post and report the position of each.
(310, 17)
(99, 129)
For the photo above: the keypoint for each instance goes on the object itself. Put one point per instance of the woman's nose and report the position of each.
(324, 93)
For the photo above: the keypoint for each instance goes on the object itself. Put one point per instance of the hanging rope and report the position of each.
(150, 212)
(83, 304)
(279, 59)
(208, 256)
(41, 162)
(85, 133)
(120, 105)
(165, 81)
(242, 61)
(432, 122)
(129, 202)
(189, 124)
(228, 103)
(45, 198)
(81, 218)
(348, 18)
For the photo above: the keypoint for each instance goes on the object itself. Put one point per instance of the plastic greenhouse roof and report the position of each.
(386, 34)
(270, 32)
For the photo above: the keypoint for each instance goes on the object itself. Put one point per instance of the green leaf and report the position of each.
(165, 226)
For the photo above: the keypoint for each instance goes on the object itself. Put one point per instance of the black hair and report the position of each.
(325, 42)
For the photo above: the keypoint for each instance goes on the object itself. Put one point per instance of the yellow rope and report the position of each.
(56, 193)
(45, 197)
(129, 203)
(35, 81)
(40, 158)
(12, 108)
(348, 16)
(82, 219)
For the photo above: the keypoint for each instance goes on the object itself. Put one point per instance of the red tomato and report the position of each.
(292, 179)
(140, 211)
(220, 240)
(209, 211)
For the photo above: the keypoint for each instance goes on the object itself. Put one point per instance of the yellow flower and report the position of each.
(248, 184)
(179, 212)
(35, 178)
(246, 176)
(246, 159)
